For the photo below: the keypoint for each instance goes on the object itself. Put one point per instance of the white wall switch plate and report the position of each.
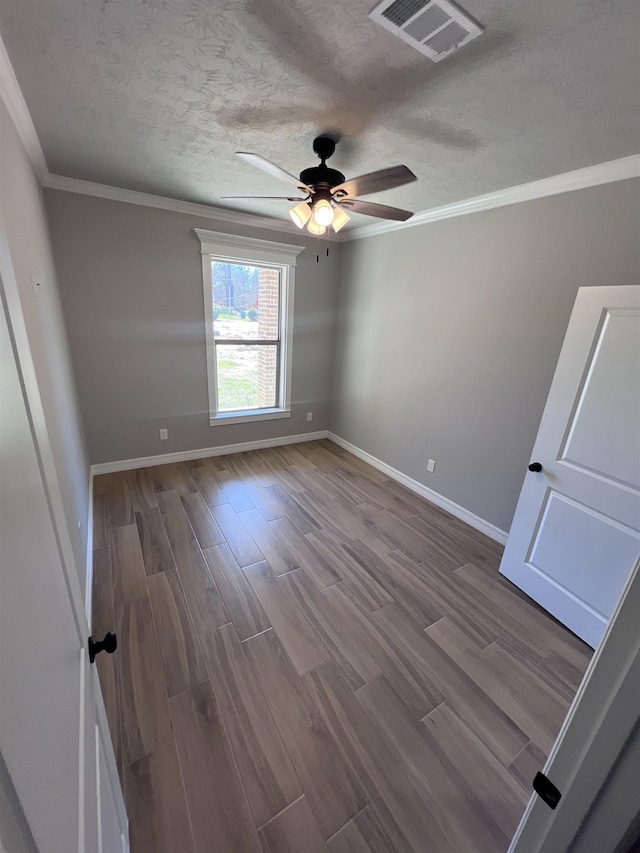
(309, 416)
(164, 433)
(431, 466)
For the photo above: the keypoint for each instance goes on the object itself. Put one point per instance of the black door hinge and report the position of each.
(546, 790)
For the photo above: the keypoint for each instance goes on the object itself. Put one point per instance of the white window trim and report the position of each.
(235, 249)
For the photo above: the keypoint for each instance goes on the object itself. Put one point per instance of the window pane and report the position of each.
(247, 377)
(246, 302)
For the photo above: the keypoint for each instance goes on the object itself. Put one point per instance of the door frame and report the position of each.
(599, 722)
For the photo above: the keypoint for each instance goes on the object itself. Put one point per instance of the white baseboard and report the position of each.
(185, 455)
(439, 500)
(201, 453)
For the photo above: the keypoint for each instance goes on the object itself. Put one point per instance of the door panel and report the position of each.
(577, 547)
(576, 532)
(50, 702)
(604, 434)
(40, 640)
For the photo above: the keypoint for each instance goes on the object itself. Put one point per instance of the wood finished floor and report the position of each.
(312, 658)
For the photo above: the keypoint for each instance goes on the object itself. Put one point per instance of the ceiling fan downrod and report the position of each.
(322, 177)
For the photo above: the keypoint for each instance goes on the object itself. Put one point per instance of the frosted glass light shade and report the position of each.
(300, 214)
(340, 218)
(323, 212)
(314, 228)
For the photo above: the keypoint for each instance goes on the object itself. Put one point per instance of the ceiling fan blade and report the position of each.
(439, 132)
(264, 118)
(382, 211)
(273, 170)
(271, 197)
(375, 182)
(292, 37)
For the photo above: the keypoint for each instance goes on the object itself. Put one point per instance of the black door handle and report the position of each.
(108, 645)
(536, 467)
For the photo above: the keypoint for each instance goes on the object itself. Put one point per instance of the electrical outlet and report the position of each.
(164, 434)
(309, 416)
(431, 466)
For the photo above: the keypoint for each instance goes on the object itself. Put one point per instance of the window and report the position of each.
(248, 306)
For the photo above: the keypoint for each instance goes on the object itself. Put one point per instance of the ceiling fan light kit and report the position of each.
(300, 214)
(340, 219)
(329, 195)
(323, 212)
(319, 216)
(315, 229)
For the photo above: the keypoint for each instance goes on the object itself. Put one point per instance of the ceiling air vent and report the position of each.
(434, 27)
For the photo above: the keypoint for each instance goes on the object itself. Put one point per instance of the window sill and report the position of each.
(249, 416)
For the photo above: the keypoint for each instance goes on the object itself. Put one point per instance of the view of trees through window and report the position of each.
(246, 328)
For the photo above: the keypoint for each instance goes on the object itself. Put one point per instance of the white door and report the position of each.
(576, 533)
(51, 712)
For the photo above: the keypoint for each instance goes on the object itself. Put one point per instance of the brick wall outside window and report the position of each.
(268, 310)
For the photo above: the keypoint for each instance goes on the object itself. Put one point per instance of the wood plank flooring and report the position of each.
(312, 658)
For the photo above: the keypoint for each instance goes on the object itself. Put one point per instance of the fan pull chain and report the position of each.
(318, 249)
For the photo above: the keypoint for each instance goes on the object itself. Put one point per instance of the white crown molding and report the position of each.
(250, 220)
(203, 453)
(591, 176)
(13, 99)
(460, 512)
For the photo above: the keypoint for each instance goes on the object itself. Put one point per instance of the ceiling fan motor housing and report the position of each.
(326, 189)
(321, 177)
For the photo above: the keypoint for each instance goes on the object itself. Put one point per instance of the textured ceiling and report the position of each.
(156, 95)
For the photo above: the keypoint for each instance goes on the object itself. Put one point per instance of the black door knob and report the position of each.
(535, 466)
(108, 645)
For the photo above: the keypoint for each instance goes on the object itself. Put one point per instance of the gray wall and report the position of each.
(449, 333)
(25, 255)
(131, 284)
(446, 334)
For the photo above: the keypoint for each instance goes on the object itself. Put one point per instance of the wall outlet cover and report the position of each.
(431, 466)
(164, 434)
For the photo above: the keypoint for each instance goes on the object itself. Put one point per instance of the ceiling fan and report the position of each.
(328, 194)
